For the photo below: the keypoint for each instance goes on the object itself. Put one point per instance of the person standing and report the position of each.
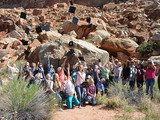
(80, 80)
(126, 73)
(13, 70)
(117, 70)
(132, 76)
(150, 78)
(140, 76)
(158, 74)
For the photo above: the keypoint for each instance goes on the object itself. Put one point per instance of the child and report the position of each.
(91, 92)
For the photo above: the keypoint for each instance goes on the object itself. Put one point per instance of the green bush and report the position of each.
(115, 102)
(22, 103)
(147, 47)
(150, 109)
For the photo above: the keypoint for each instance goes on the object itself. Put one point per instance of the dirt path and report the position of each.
(91, 113)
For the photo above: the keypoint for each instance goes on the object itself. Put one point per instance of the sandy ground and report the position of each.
(92, 113)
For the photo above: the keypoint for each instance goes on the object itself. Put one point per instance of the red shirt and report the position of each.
(150, 73)
(61, 76)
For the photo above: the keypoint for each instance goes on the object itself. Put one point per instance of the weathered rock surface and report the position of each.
(60, 46)
(114, 45)
(82, 29)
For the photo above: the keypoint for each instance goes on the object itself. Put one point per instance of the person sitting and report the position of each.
(91, 92)
(70, 90)
(13, 70)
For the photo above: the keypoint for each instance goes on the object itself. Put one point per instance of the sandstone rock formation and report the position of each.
(114, 45)
(59, 47)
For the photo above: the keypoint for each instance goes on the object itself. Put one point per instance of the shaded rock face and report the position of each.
(44, 3)
(6, 25)
(153, 10)
(59, 47)
(114, 45)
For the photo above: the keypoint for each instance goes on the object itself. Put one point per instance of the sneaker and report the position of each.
(60, 109)
(79, 107)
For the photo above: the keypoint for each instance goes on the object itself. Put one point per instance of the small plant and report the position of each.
(100, 99)
(123, 117)
(21, 103)
(115, 102)
(147, 47)
(150, 109)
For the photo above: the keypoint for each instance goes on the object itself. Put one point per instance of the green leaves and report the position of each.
(147, 47)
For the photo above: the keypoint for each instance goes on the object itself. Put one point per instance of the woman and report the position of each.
(60, 71)
(70, 90)
(13, 70)
(150, 77)
(126, 73)
(117, 70)
(80, 79)
(140, 75)
(57, 88)
(91, 92)
(49, 83)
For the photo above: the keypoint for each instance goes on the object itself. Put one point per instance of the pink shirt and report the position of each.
(150, 73)
(79, 79)
(61, 76)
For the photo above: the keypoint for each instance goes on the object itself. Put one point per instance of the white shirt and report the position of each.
(69, 87)
(13, 72)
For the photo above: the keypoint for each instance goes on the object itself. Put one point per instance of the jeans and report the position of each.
(80, 93)
(90, 99)
(71, 99)
(115, 79)
(150, 85)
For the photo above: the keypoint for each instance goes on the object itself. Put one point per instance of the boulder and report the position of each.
(82, 29)
(61, 5)
(109, 6)
(155, 59)
(15, 34)
(141, 36)
(102, 33)
(37, 12)
(35, 43)
(156, 37)
(3, 35)
(6, 25)
(114, 45)
(155, 15)
(6, 53)
(49, 35)
(59, 47)
(122, 57)
(7, 40)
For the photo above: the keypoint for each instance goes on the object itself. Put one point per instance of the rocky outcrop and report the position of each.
(156, 37)
(114, 45)
(153, 10)
(44, 3)
(59, 47)
(82, 29)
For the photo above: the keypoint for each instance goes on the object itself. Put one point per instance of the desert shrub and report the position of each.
(150, 109)
(22, 103)
(147, 47)
(123, 117)
(115, 102)
(100, 99)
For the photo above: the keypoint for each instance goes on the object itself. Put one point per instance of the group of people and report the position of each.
(80, 83)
